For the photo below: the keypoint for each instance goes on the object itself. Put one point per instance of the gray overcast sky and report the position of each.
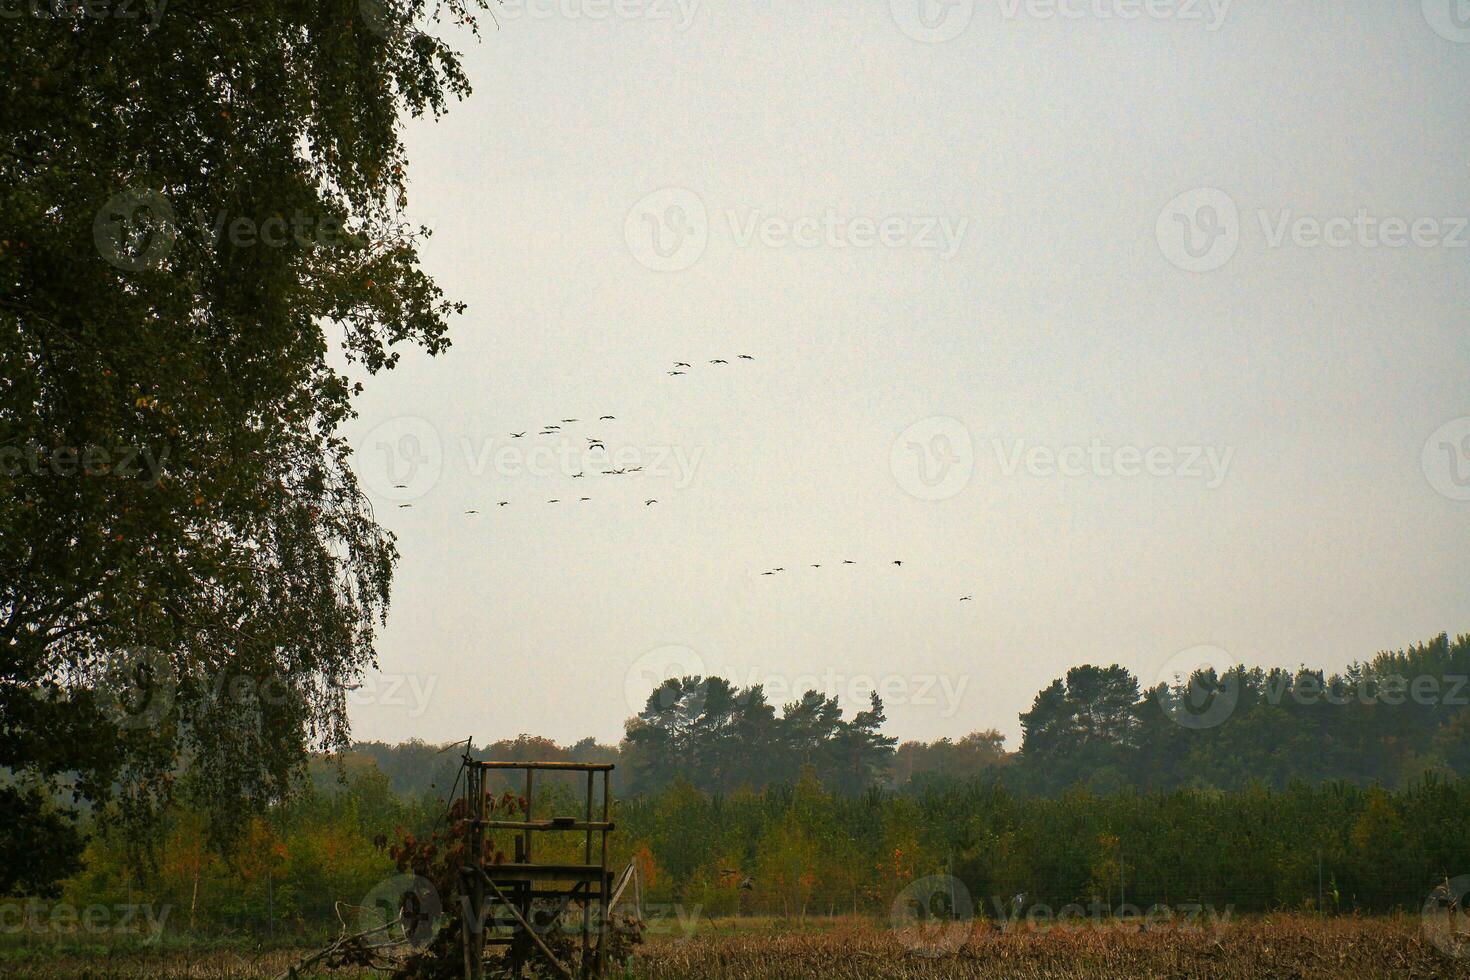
(954, 241)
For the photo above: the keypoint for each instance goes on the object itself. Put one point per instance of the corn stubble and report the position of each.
(1277, 946)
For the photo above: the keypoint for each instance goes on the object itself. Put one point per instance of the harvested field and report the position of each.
(1286, 946)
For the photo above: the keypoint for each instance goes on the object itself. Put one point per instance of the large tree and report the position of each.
(1082, 725)
(200, 208)
(721, 738)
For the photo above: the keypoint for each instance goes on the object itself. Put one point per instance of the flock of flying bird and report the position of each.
(555, 429)
(683, 367)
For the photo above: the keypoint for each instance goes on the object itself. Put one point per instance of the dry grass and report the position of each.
(1242, 949)
(136, 964)
(1278, 946)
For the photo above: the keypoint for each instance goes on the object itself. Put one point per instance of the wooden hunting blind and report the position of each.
(500, 897)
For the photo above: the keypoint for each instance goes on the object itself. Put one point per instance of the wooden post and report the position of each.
(603, 931)
(466, 912)
(1122, 879)
(587, 898)
(527, 834)
(480, 815)
(473, 902)
(525, 887)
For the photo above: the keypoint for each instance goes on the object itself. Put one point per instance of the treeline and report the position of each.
(802, 850)
(1390, 721)
(1253, 789)
(661, 753)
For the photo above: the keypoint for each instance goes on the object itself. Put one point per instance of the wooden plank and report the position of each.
(546, 825)
(557, 894)
(556, 872)
(623, 881)
(567, 766)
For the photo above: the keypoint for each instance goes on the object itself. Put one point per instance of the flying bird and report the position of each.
(569, 421)
(966, 598)
(578, 476)
(898, 563)
(846, 562)
(471, 512)
(816, 566)
(649, 502)
(768, 573)
(404, 506)
(503, 503)
(585, 499)
(608, 418)
(400, 486)
(678, 364)
(674, 373)
(516, 435)
(719, 360)
(553, 501)
(635, 469)
(746, 357)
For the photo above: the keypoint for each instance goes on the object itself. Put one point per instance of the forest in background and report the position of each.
(1390, 720)
(1293, 801)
